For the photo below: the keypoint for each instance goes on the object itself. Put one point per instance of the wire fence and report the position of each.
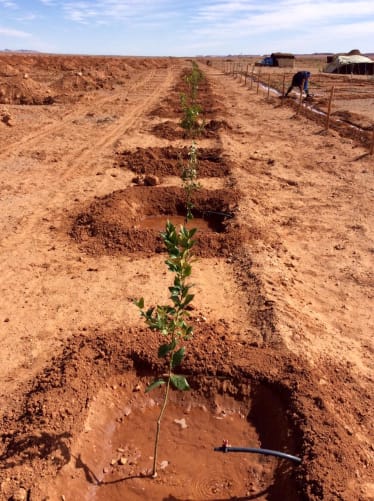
(342, 102)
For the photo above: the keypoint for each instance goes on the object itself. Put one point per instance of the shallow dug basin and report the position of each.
(158, 223)
(130, 220)
(173, 130)
(170, 161)
(112, 459)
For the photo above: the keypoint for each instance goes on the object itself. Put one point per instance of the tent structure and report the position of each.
(352, 63)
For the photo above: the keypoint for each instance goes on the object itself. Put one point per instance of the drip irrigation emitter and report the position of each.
(225, 447)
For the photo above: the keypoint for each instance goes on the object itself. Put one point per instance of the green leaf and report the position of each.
(179, 382)
(172, 266)
(187, 270)
(164, 349)
(189, 332)
(139, 303)
(175, 290)
(177, 357)
(188, 299)
(149, 312)
(155, 384)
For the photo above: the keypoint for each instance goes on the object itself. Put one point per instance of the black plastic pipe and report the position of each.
(218, 213)
(267, 452)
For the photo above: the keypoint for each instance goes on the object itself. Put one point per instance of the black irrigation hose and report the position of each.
(267, 452)
(217, 213)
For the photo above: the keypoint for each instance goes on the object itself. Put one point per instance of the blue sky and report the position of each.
(187, 28)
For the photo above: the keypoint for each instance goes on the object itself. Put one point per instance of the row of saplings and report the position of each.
(171, 320)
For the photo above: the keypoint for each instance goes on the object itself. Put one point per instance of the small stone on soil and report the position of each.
(127, 411)
(20, 495)
(182, 423)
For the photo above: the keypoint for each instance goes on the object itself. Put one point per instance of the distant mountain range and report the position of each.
(23, 51)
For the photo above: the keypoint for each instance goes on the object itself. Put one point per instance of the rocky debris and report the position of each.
(20, 495)
(146, 180)
(7, 119)
(151, 180)
(182, 423)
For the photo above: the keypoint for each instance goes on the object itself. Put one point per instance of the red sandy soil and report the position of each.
(282, 354)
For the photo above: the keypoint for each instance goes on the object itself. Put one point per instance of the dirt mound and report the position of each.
(171, 106)
(77, 83)
(173, 130)
(23, 90)
(170, 161)
(8, 70)
(43, 79)
(130, 221)
(353, 119)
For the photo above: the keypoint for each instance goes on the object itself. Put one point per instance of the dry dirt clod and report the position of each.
(127, 411)
(20, 495)
(151, 180)
(7, 119)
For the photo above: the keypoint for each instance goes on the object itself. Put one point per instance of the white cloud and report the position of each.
(8, 4)
(27, 17)
(100, 11)
(287, 15)
(9, 32)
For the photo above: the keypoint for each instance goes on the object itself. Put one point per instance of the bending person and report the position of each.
(300, 80)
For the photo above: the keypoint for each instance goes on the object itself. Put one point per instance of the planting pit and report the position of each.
(113, 456)
(102, 448)
(173, 130)
(130, 220)
(171, 106)
(83, 428)
(167, 161)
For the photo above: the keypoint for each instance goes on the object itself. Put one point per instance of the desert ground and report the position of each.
(282, 352)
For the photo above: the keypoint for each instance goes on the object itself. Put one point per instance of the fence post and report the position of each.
(372, 143)
(246, 74)
(253, 70)
(283, 88)
(258, 80)
(329, 108)
(300, 100)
